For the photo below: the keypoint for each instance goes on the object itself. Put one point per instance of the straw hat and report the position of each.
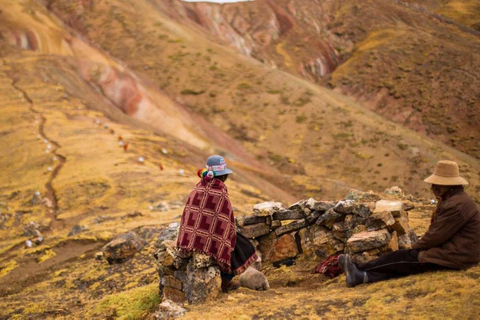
(446, 174)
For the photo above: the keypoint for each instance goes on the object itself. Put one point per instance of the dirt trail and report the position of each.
(51, 198)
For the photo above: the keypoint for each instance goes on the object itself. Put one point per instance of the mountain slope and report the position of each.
(281, 120)
(415, 64)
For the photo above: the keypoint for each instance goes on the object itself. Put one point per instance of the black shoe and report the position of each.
(354, 276)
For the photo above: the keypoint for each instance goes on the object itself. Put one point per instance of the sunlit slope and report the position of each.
(322, 141)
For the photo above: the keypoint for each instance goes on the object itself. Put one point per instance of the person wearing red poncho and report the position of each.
(208, 225)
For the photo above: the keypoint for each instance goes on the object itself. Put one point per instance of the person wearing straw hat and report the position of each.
(208, 225)
(451, 242)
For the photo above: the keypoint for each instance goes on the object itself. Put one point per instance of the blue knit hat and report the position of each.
(217, 165)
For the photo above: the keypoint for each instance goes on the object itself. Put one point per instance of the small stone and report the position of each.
(76, 230)
(161, 206)
(368, 240)
(168, 310)
(266, 208)
(164, 151)
(141, 159)
(121, 143)
(99, 255)
(298, 206)
(344, 206)
(28, 244)
(181, 172)
(396, 191)
(50, 169)
(288, 215)
(310, 203)
(254, 279)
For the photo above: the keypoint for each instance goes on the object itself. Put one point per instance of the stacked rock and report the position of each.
(194, 278)
(363, 225)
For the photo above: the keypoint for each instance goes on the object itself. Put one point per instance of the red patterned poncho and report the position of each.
(207, 224)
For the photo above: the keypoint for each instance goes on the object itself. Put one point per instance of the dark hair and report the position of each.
(222, 178)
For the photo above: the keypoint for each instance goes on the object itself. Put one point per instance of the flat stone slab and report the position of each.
(266, 208)
(246, 221)
(254, 230)
(294, 226)
(368, 240)
(288, 215)
(394, 207)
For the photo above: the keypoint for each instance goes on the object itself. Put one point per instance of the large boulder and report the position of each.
(122, 247)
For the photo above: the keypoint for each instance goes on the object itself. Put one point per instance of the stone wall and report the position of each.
(366, 225)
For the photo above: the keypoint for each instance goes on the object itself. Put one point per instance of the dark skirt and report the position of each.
(243, 255)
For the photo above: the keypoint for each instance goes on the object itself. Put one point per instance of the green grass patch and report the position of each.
(132, 304)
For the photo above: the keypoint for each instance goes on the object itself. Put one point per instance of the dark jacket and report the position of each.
(453, 238)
